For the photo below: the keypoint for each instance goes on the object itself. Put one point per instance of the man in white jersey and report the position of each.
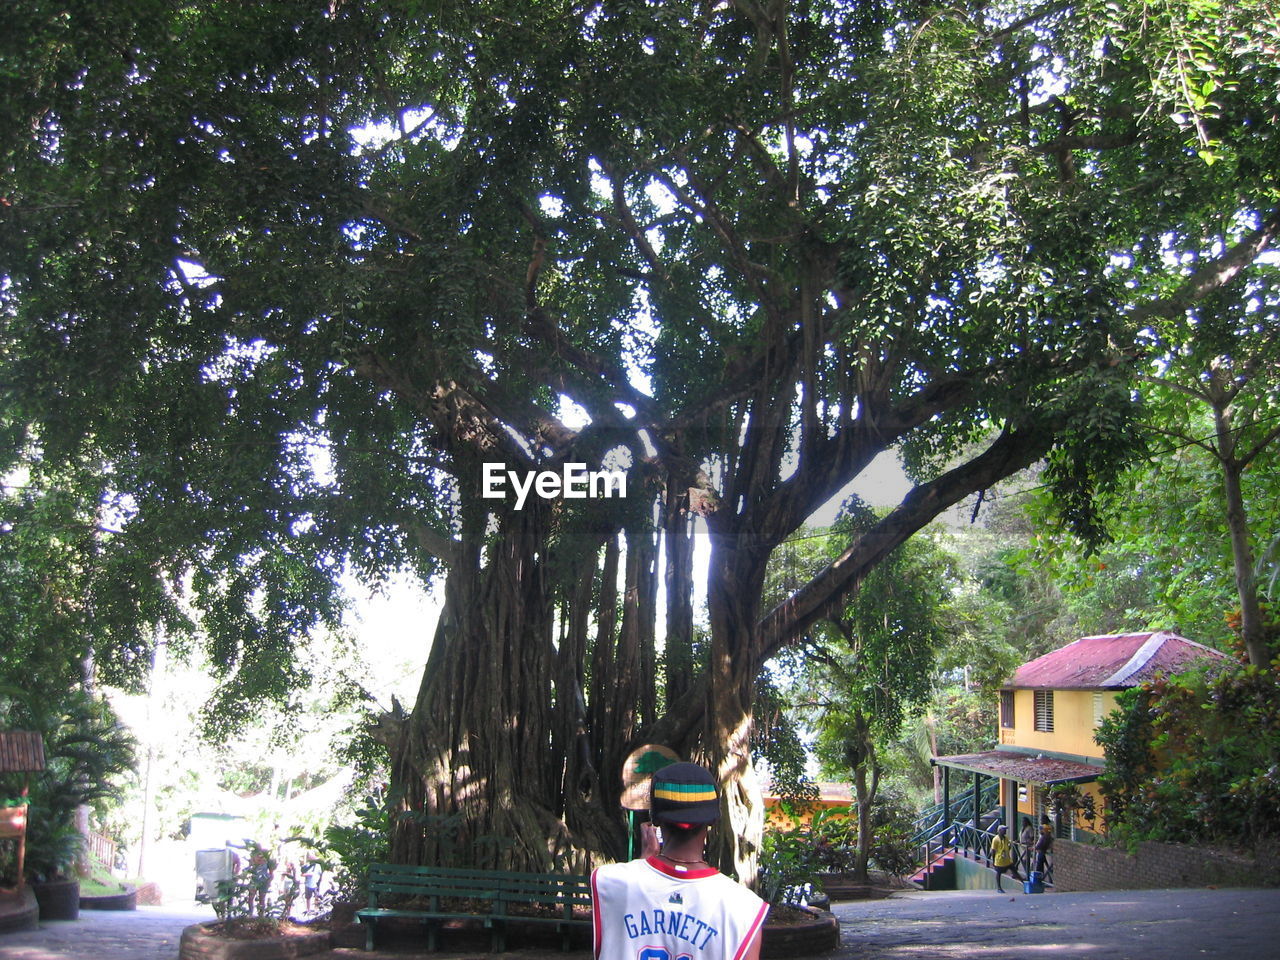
(673, 905)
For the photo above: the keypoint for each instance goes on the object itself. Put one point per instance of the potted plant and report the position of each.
(52, 852)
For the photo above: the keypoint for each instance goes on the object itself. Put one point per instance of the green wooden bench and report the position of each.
(436, 894)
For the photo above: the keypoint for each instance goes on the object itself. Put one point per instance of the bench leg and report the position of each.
(368, 936)
(432, 941)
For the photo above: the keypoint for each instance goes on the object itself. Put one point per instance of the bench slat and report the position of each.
(491, 889)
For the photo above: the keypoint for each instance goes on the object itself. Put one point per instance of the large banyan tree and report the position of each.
(281, 279)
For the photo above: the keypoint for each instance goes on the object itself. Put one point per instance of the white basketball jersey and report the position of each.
(651, 910)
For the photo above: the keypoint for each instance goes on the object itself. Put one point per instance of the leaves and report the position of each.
(1192, 758)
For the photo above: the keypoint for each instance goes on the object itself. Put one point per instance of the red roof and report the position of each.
(1112, 662)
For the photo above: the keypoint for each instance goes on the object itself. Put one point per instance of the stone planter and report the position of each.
(199, 942)
(817, 935)
(18, 911)
(126, 899)
(58, 899)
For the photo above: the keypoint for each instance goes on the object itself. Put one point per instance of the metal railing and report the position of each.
(967, 841)
(961, 808)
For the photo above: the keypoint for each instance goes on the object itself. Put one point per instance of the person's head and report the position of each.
(683, 800)
(1002, 829)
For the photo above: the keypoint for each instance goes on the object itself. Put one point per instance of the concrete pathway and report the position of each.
(1121, 925)
(1128, 925)
(148, 933)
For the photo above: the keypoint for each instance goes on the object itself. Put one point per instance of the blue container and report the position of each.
(1033, 883)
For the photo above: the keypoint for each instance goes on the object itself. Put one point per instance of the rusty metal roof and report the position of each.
(1022, 767)
(21, 751)
(1112, 662)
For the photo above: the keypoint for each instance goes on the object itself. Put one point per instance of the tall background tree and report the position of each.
(279, 279)
(877, 670)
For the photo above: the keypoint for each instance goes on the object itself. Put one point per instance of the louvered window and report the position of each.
(1044, 710)
(1006, 709)
(1098, 710)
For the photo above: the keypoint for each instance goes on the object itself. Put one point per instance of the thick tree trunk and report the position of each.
(622, 679)
(507, 759)
(1252, 623)
(476, 773)
(678, 580)
(735, 584)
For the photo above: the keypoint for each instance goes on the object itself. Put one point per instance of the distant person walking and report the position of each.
(1027, 840)
(1002, 856)
(310, 884)
(261, 869)
(1044, 845)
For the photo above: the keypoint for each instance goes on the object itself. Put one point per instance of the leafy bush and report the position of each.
(793, 858)
(893, 823)
(1195, 758)
(787, 866)
(358, 846)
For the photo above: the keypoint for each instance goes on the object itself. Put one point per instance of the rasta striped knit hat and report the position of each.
(684, 793)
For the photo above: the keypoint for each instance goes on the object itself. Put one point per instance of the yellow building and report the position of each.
(1049, 712)
(836, 797)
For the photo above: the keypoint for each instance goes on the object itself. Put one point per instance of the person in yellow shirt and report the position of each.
(1002, 855)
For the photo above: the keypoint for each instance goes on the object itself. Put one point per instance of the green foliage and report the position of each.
(785, 867)
(776, 738)
(1194, 758)
(1069, 802)
(87, 750)
(893, 821)
(966, 719)
(358, 846)
(880, 651)
(53, 846)
(794, 856)
(247, 891)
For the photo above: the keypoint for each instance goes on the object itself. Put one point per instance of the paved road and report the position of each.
(1123, 925)
(1127, 925)
(148, 933)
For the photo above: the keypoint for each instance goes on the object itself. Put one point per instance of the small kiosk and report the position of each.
(21, 751)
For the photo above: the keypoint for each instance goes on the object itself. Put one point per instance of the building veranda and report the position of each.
(1047, 752)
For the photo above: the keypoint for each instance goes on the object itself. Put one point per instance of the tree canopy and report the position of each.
(278, 279)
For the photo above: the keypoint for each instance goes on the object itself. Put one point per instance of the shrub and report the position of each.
(1195, 758)
(793, 858)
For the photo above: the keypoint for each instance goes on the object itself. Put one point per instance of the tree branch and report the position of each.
(1013, 450)
(539, 324)
(1213, 275)
(1251, 454)
(433, 542)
